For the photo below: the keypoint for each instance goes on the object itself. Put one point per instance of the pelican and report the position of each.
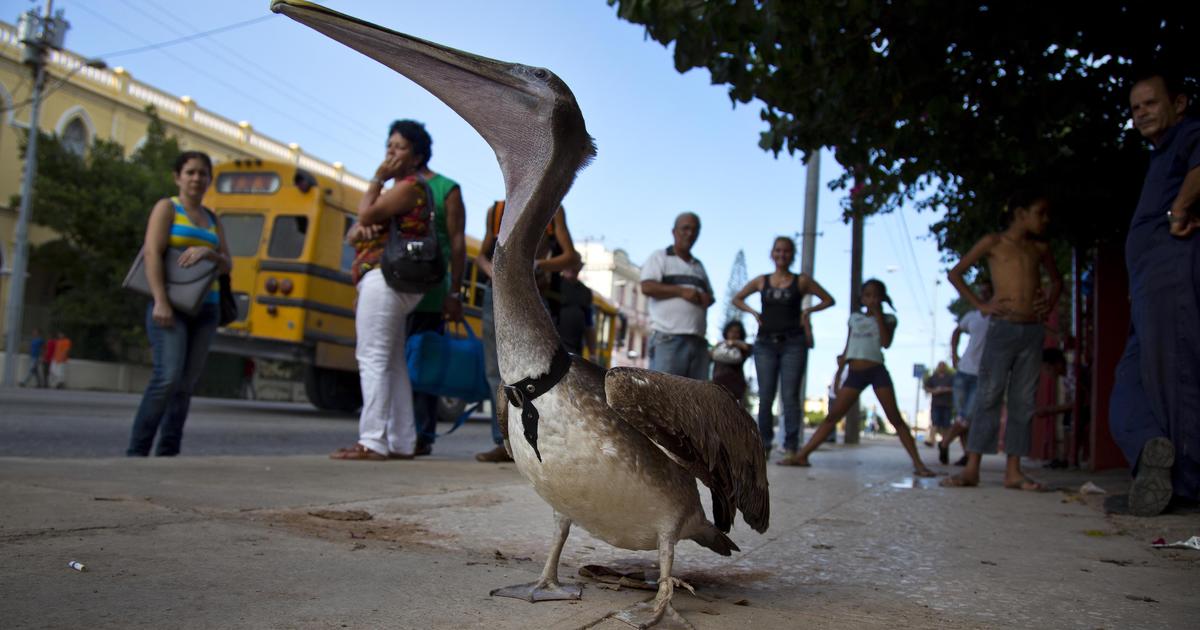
(617, 452)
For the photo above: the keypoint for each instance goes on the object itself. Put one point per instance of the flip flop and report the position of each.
(1027, 485)
(957, 481)
(358, 453)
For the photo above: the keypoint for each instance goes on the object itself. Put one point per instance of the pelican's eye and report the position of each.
(541, 73)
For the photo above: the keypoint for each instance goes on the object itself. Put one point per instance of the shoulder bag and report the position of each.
(186, 286)
(414, 263)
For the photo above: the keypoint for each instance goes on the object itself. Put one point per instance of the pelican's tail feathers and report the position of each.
(716, 540)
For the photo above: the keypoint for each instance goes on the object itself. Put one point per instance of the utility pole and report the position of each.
(808, 251)
(854, 416)
(39, 34)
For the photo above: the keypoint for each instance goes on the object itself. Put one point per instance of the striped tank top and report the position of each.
(186, 234)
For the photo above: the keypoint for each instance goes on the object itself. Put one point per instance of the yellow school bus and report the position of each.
(286, 228)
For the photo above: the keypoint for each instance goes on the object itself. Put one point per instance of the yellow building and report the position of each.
(110, 104)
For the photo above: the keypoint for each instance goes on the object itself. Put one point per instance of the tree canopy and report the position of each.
(99, 204)
(951, 105)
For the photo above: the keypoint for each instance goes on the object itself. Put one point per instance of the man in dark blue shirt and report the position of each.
(36, 345)
(1155, 406)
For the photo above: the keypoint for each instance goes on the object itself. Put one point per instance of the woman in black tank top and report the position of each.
(782, 343)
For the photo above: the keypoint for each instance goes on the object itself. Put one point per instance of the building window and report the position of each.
(75, 137)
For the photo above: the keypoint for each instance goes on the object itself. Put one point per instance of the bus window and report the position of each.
(242, 233)
(347, 249)
(287, 237)
(241, 183)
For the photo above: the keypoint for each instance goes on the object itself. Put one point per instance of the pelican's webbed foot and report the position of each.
(647, 615)
(541, 591)
(658, 612)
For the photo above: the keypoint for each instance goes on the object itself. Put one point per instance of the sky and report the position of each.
(668, 142)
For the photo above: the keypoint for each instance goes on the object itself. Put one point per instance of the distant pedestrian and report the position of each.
(248, 367)
(966, 370)
(555, 252)
(782, 343)
(729, 360)
(576, 315)
(45, 361)
(1154, 412)
(871, 330)
(36, 345)
(680, 294)
(179, 342)
(444, 302)
(1012, 355)
(58, 364)
(1057, 412)
(940, 387)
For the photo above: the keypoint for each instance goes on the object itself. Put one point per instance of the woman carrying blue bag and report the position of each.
(385, 425)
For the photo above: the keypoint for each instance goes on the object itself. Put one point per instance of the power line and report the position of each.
(916, 264)
(186, 38)
(201, 71)
(288, 90)
(899, 253)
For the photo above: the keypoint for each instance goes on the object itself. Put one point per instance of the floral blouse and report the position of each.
(415, 222)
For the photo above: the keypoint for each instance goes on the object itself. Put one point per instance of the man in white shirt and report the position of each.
(966, 375)
(680, 294)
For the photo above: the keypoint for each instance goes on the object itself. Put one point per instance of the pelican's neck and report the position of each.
(526, 338)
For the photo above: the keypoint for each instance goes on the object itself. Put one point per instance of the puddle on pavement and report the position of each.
(918, 483)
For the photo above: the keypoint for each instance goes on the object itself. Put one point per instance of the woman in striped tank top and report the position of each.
(178, 342)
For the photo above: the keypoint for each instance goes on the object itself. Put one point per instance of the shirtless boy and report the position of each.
(1012, 353)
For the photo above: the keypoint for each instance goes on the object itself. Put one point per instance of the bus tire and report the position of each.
(449, 409)
(332, 390)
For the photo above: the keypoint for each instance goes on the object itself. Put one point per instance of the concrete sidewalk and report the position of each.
(233, 542)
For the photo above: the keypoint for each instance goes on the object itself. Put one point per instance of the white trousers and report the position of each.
(386, 424)
(58, 374)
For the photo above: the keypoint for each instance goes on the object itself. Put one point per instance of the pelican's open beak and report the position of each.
(527, 114)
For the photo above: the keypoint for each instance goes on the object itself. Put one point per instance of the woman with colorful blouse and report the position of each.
(385, 425)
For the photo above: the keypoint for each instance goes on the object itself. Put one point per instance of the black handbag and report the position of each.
(414, 263)
(229, 309)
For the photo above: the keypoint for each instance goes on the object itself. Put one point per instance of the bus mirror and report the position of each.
(304, 180)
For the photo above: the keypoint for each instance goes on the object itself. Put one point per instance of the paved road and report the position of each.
(65, 423)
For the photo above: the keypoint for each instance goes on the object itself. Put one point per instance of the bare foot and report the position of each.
(923, 472)
(959, 481)
(794, 460)
(1024, 483)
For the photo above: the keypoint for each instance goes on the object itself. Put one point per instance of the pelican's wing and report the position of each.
(702, 427)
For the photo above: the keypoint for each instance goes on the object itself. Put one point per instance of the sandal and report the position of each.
(358, 453)
(1026, 484)
(958, 481)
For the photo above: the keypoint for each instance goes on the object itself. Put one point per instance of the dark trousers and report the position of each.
(425, 405)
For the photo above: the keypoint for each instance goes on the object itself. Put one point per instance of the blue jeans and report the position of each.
(964, 396)
(490, 361)
(178, 353)
(779, 363)
(681, 355)
(1009, 370)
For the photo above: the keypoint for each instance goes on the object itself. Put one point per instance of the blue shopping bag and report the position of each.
(442, 364)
